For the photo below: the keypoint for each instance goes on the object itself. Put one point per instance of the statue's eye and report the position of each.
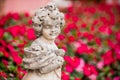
(39, 25)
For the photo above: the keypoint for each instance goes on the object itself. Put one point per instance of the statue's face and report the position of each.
(50, 32)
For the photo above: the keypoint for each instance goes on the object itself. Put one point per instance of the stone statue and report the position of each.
(43, 60)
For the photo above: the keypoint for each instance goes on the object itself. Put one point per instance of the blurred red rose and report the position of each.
(14, 30)
(1, 32)
(118, 35)
(108, 57)
(31, 34)
(65, 76)
(90, 70)
(15, 16)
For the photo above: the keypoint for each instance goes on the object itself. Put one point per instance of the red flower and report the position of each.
(3, 43)
(22, 30)
(1, 32)
(30, 22)
(3, 74)
(17, 59)
(27, 14)
(5, 53)
(118, 35)
(30, 34)
(89, 70)
(82, 49)
(84, 25)
(98, 41)
(88, 36)
(108, 57)
(77, 79)
(15, 16)
(72, 63)
(69, 68)
(71, 38)
(111, 43)
(14, 30)
(117, 78)
(67, 16)
(61, 37)
(65, 76)
(5, 62)
(105, 30)
(75, 18)
(117, 51)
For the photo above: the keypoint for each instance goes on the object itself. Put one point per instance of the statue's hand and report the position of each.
(60, 52)
(56, 63)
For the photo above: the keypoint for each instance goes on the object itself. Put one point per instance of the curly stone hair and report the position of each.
(40, 18)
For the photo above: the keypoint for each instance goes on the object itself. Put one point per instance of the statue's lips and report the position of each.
(53, 34)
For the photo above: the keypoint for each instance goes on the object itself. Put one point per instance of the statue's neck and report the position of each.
(47, 40)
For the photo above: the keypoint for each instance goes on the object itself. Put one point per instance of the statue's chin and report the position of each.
(51, 38)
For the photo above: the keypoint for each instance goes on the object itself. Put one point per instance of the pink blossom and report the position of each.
(100, 65)
(93, 77)
(117, 78)
(79, 68)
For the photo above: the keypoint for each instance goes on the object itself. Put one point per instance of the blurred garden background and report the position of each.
(91, 38)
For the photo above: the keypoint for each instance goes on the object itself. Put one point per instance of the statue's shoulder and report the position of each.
(33, 48)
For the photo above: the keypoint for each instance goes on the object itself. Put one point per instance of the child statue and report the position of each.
(43, 60)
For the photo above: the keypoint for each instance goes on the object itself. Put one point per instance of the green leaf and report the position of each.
(70, 51)
(12, 68)
(7, 36)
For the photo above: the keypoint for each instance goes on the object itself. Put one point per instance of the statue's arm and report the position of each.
(41, 61)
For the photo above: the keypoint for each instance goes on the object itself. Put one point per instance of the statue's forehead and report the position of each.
(51, 22)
